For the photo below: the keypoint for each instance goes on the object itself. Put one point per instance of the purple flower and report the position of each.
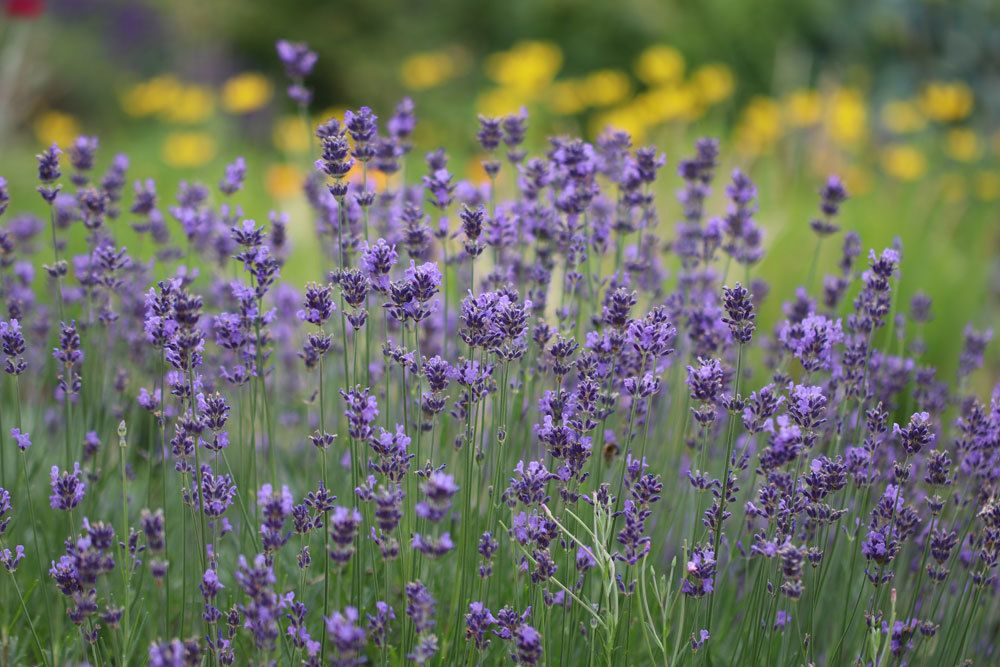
(528, 486)
(362, 126)
(10, 560)
(5, 510)
(296, 57)
(12, 342)
(232, 181)
(67, 488)
(217, 492)
(431, 546)
(378, 623)
(478, 623)
(48, 173)
(154, 528)
(344, 524)
(263, 605)
(700, 578)
(438, 489)
(806, 405)
(377, 261)
(490, 133)
(361, 411)
(402, 123)
(175, 653)
(420, 607)
(811, 341)
(318, 304)
(832, 195)
(973, 347)
(739, 311)
(917, 434)
(527, 645)
(298, 631)
(347, 637)
(23, 440)
(440, 187)
(275, 508)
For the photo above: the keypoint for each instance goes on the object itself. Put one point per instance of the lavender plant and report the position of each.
(522, 421)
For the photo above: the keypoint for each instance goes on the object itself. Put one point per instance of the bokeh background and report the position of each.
(899, 97)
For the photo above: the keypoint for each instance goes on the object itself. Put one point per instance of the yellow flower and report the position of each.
(191, 104)
(188, 149)
(804, 108)
(848, 117)
(246, 92)
(606, 87)
(283, 181)
(628, 118)
(499, 102)
(902, 117)
(566, 97)
(290, 135)
(527, 67)
(714, 82)
(904, 163)
(669, 103)
(945, 101)
(56, 127)
(151, 97)
(429, 69)
(987, 185)
(659, 64)
(759, 127)
(962, 145)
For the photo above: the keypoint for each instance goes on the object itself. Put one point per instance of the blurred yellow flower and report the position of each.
(191, 104)
(283, 181)
(714, 82)
(627, 118)
(659, 64)
(151, 97)
(188, 149)
(945, 101)
(759, 126)
(290, 135)
(246, 92)
(56, 127)
(499, 102)
(606, 87)
(987, 185)
(566, 97)
(848, 117)
(962, 145)
(904, 163)
(669, 103)
(804, 108)
(902, 117)
(429, 69)
(527, 67)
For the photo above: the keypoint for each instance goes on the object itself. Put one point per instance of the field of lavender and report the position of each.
(526, 421)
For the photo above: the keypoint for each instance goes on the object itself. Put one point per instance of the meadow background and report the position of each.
(899, 98)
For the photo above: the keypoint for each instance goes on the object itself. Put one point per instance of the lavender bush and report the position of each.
(522, 422)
